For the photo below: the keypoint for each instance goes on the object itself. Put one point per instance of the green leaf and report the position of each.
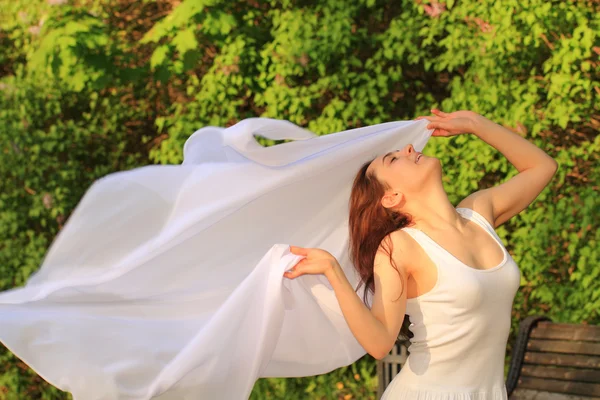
(185, 40)
(159, 55)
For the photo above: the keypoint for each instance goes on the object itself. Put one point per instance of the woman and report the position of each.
(438, 267)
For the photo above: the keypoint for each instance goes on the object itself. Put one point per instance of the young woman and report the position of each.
(437, 270)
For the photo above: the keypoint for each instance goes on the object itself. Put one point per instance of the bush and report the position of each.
(91, 87)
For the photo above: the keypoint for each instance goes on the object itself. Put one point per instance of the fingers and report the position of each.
(438, 125)
(428, 118)
(301, 251)
(438, 112)
(296, 270)
(292, 273)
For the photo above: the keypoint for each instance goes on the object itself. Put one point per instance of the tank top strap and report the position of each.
(477, 218)
(423, 240)
(435, 253)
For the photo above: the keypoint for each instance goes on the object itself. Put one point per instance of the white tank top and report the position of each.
(460, 327)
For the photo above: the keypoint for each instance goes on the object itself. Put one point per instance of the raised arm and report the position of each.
(536, 168)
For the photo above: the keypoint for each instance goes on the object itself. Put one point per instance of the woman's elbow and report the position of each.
(382, 353)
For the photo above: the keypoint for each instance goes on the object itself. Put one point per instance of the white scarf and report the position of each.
(167, 280)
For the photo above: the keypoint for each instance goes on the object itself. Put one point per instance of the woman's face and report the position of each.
(406, 172)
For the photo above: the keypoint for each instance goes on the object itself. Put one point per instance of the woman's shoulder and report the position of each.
(481, 207)
(404, 248)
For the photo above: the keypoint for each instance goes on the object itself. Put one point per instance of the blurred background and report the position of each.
(90, 87)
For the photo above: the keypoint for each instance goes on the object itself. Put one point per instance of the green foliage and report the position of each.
(89, 87)
(356, 381)
(75, 48)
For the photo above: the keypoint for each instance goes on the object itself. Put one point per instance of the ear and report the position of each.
(392, 199)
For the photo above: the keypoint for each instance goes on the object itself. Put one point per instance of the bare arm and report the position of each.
(376, 329)
(536, 169)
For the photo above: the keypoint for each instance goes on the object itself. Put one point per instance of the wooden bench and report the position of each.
(549, 361)
(554, 361)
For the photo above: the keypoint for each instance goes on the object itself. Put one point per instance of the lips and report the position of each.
(418, 157)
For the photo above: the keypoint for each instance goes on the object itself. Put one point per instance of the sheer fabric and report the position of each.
(167, 280)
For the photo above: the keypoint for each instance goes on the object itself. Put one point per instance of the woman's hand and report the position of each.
(317, 261)
(450, 124)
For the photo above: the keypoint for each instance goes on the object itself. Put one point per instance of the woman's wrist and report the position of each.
(335, 272)
(479, 124)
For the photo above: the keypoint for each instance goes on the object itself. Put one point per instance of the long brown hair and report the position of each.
(369, 224)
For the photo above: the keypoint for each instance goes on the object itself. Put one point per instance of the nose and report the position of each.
(409, 148)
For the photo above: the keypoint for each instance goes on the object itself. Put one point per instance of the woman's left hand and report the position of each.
(450, 124)
(317, 261)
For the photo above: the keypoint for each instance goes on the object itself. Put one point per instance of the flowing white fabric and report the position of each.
(167, 280)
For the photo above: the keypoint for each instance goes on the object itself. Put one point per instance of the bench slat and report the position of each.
(552, 385)
(561, 373)
(564, 346)
(395, 358)
(529, 394)
(565, 360)
(552, 330)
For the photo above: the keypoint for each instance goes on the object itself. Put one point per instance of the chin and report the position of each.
(435, 167)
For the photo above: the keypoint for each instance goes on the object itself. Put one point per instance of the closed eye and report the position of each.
(393, 158)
